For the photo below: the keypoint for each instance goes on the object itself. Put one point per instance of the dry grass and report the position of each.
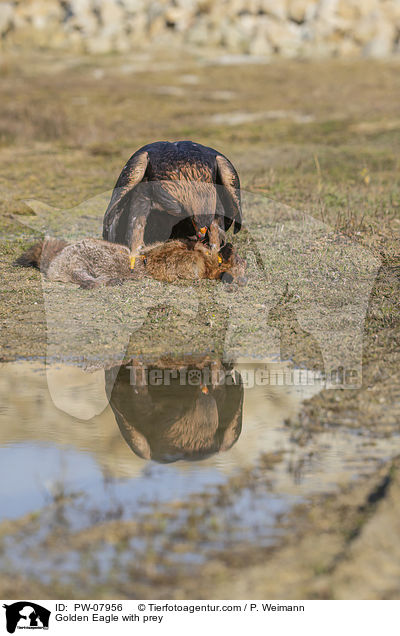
(66, 129)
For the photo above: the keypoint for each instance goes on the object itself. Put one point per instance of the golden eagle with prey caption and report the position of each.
(173, 190)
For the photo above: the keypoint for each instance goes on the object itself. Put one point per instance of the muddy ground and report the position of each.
(322, 138)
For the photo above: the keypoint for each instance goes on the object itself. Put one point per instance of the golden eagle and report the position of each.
(172, 190)
(171, 421)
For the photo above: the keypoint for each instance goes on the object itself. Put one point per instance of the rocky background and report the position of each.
(287, 28)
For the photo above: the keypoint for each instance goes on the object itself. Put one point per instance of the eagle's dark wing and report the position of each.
(130, 177)
(230, 409)
(229, 192)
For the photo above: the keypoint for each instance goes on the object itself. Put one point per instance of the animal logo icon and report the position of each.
(26, 615)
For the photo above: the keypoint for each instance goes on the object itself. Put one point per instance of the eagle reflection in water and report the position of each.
(168, 411)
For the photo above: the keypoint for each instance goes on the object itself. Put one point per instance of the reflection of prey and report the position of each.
(176, 421)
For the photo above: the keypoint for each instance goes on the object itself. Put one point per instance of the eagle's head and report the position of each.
(201, 224)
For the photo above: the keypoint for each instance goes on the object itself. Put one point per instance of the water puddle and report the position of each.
(162, 439)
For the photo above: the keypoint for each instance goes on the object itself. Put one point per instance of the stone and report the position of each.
(205, 6)
(134, 6)
(347, 10)
(198, 33)
(368, 6)
(348, 48)
(326, 10)
(46, 13)
(284, 37)
(391, 11)
(80, 5)
(365, 29)
(274, 8)
(260, 46)
(187, 5)
(122, 44)
(353, 9)
(320, 48)
(301, 10)
(247, 25)
(178, 17)
(382, 45)
(101, 43)
(234, 38)
(137, 28)
(156, 26)
(86, 23)
(112, 18)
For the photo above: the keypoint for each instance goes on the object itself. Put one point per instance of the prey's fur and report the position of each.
(92, 262)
